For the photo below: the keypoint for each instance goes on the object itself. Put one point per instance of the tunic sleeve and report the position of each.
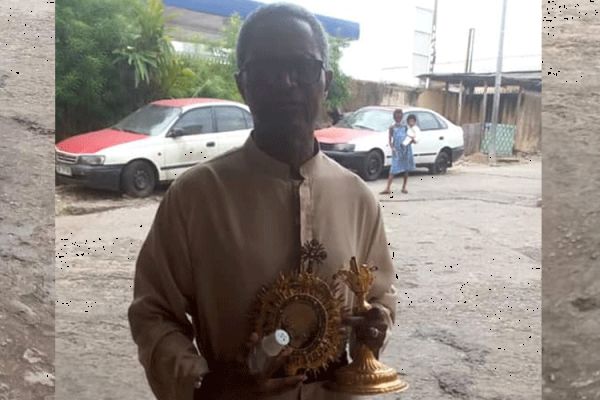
(157, 315)
(383, 293)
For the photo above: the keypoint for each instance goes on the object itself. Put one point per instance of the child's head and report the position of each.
(398, 113)
(411, 120)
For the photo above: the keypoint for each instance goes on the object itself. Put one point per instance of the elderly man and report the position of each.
(232, 225)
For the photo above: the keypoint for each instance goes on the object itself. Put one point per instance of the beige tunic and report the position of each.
(223, 230)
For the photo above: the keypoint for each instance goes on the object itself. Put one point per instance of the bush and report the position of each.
(111, 58)
(89, 86)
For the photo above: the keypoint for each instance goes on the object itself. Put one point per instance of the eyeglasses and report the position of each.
(301, 70)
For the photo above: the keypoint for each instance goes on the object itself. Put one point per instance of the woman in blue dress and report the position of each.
(402, 155)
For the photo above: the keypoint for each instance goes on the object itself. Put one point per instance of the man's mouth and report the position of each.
(286, 104)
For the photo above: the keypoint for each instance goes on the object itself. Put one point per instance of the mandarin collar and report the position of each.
(277, 169)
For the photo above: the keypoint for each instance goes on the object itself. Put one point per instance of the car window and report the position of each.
(427, 121)
(442, 123)
(249, 120)
(230, 119)
(196, 121)
(150, 120)
(374, 120)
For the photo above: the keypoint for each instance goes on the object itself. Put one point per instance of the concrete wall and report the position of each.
(366, 93)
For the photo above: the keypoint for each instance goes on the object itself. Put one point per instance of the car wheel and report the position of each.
(138, 179)
(372, 166)
(441, 163)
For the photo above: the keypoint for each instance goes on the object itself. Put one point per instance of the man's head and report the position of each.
(282, 56)
(398, 114)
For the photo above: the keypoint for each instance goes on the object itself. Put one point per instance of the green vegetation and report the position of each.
(338, 92)
(114, 56)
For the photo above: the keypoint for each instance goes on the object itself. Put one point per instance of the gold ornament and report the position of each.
(365, 375)
(308, 309)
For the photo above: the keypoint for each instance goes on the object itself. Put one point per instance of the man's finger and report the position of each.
(353, 321)
(274, 364)
(375, 314)
(253, 339)
(249, 345)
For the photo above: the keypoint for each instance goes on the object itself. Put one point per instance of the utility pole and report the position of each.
(470, 45)
(496, 105)
(433, 33)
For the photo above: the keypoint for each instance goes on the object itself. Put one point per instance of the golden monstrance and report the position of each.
(310, 311)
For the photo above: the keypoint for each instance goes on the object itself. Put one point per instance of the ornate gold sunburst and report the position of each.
(307, 308)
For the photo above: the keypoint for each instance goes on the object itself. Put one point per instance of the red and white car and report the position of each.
(359, 141)
(156, 143)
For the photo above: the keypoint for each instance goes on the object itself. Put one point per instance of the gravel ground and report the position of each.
(571, 291)
(26, 199)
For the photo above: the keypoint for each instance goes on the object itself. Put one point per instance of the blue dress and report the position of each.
(402, 158)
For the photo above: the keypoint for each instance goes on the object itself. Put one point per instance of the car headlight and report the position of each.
(343, 147)
(91, 160)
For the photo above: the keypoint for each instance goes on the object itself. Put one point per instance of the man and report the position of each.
(232, 225)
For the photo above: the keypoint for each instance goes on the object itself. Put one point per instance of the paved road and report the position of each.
(466, 248)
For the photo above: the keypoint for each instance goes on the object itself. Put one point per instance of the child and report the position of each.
(401, 138)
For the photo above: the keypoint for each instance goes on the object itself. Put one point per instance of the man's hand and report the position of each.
(263, 383)
(370, 328)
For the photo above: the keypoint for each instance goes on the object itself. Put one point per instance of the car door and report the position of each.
(431, 138)
(233, 125)
(192, 140)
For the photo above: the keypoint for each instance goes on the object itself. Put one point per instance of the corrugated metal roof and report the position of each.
(523, 78)
(333, 26)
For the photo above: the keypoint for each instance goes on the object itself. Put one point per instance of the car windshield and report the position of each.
(151, 120)
(372, 120)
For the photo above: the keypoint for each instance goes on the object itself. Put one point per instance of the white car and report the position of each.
(156, 143)
(359, 141)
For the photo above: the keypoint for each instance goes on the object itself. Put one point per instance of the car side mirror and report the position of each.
(176, 132)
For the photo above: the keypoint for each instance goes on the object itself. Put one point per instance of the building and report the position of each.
(467, 98)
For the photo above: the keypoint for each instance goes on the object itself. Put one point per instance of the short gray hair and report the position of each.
(280, 11)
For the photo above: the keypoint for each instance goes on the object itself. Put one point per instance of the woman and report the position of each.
(401, 138)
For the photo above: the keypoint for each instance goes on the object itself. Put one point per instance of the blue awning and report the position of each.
(333, 26)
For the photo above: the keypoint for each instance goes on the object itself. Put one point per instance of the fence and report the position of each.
(522, 110)
(477, 138)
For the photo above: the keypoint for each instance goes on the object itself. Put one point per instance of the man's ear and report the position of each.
(239, 81)
(328, 80)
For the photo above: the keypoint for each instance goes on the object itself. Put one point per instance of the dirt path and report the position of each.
(26, 200)
(571, 142)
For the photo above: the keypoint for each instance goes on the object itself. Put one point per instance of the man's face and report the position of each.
(398, 117)
(282, 79)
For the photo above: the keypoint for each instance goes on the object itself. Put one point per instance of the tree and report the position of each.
(210, 74)
(111, 58)
(89, 89)
(338, 92)
(147, 49)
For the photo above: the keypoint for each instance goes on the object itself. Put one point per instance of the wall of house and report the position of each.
(366, 93)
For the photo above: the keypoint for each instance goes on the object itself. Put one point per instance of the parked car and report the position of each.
(156, 143)
(359, 141)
